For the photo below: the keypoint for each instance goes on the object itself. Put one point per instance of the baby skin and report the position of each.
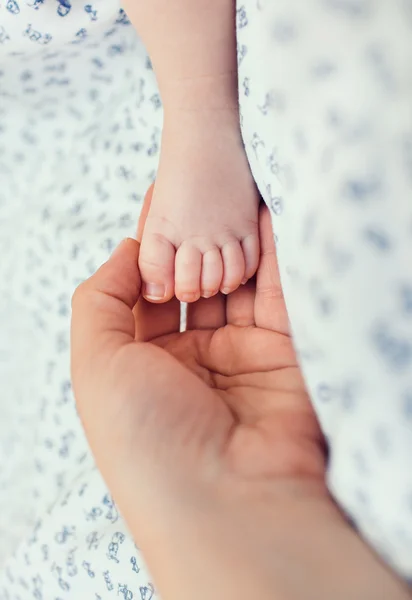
(201, 234)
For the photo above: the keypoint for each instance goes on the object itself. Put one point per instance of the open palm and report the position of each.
(225, 395)
(208, 442)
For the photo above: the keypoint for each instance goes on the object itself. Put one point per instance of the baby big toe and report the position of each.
(188, 266)
(156, 263)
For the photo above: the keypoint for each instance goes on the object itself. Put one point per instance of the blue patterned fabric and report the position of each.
(325, 96)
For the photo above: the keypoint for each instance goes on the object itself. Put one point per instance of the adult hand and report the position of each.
(208, 441)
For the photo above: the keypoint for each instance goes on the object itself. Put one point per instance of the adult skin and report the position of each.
(209, 444)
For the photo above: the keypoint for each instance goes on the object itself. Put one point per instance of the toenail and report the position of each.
(154, 291)
(189, 297)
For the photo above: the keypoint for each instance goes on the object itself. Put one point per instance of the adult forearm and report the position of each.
(295, 549)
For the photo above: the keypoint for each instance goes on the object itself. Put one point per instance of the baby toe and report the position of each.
(188, 267)
(212, 273)
(251, 253)
(156, 263)
(233, 267)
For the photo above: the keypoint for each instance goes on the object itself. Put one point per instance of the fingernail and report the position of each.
(154, 291)
(206, 294)
(225, 291)
(245, 280)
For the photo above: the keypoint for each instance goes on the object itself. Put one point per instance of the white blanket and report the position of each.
(325, 95)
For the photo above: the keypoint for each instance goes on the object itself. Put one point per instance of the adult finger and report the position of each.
(270, 308)
(207, 313)
(240, 305)
(102, 317)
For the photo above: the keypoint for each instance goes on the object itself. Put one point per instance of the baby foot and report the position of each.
(201, 234)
